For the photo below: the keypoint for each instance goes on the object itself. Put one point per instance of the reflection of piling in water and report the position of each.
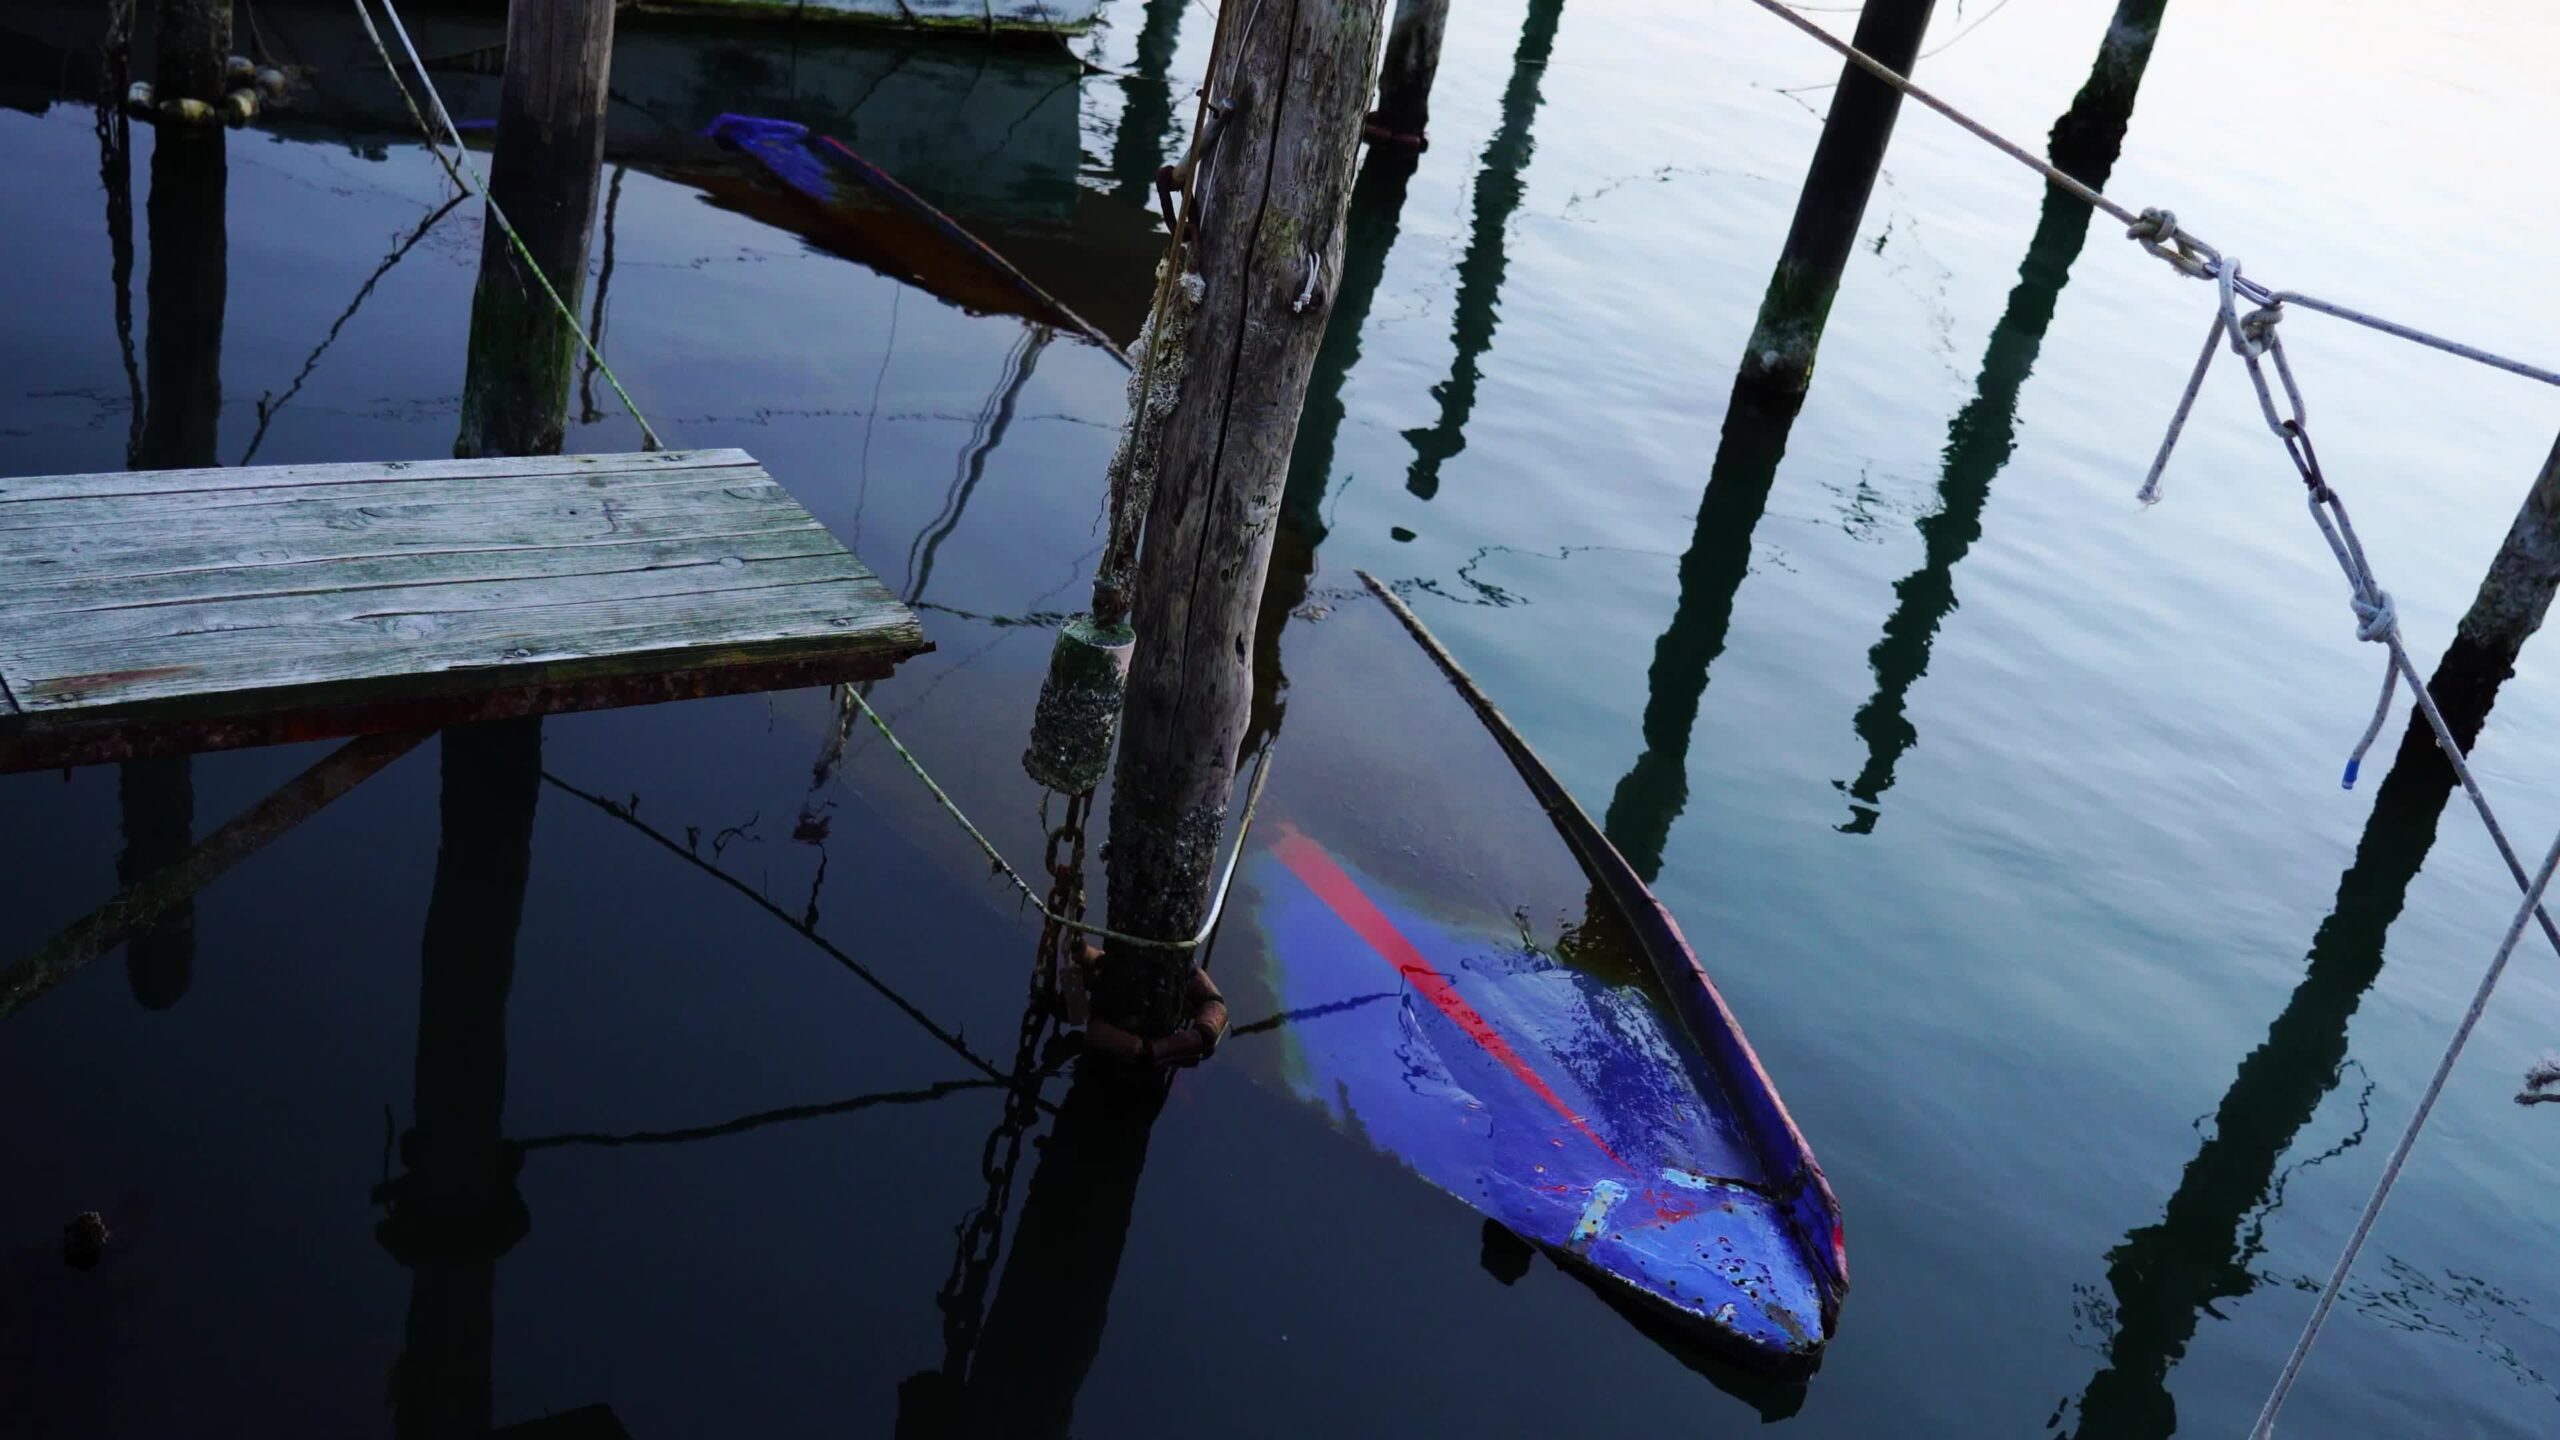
(1146, 107)
(1478, 308)
(1656, 789)
(2085, 143)
(158, 800)
(179, 428)
(455, 1209)
(1045, 1325)
(1833, 203)
(1369, 233)
(2166, 1275)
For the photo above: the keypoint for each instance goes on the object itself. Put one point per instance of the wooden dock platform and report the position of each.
(160, 612)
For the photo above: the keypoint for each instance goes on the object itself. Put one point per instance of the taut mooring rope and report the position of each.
(464, 174)
(1217, 901)
(2158, 230)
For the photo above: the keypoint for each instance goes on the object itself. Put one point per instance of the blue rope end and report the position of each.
(2348, 781)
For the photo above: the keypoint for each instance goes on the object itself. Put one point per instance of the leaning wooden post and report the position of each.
(2513, 600)
(1269, 256)
(545, 177)
(1834, 202)
(194, 41)
(1403, 116)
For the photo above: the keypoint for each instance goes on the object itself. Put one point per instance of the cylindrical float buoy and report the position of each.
(188, 111)
(271, 80)
(1079, 711)
(240, 106)
(138, 96)
(239, 70)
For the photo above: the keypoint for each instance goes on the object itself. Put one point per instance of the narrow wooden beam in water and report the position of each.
(1833, 204)
(168, 611)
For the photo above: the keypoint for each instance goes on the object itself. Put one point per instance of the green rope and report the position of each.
(1217, 905)
(467, 176)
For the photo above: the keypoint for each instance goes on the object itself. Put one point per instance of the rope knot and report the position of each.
(2376, 616)
(2257, 331)
(2158, 231)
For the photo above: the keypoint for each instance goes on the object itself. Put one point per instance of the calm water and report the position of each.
(2004, 810)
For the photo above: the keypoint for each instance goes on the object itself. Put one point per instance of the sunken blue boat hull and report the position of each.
(1591, 1093)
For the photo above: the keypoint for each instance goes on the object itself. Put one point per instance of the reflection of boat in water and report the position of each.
(990, 134)
(1589, 1091)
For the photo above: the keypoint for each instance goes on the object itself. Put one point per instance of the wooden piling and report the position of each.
(1833, 204)
(194, 41)
(179, 427)
(2513, 599)
(545, 177)
(1269, 256)
(2089, 136)
(1403, 116)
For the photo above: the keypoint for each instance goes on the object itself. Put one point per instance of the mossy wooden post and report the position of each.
(1403, 116)
(545, 176)
(194, 41)
(1833, 204)
(1269, 252)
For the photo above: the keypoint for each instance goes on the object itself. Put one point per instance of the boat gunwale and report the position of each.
(1799, 1181)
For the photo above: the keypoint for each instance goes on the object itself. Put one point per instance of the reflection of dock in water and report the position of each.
(989, 134)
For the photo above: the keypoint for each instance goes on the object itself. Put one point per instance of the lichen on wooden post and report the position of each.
(1779, 359)
(1269, 244)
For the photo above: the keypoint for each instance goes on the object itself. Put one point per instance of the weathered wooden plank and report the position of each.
(205, 582)
(180, 610)
(246, 558)
(533, 607)
(597, 637)
(340, 530)
(362, 472)
(130, 511)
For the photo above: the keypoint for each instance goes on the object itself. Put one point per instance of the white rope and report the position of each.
(467, 175)
(2266, 1426)
(2158, 230)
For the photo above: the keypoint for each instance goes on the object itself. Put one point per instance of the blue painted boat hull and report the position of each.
(1586, 1088)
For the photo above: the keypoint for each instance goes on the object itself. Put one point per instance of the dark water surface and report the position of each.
(2004, 811)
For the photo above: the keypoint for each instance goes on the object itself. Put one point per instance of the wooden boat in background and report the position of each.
(1478, 985)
